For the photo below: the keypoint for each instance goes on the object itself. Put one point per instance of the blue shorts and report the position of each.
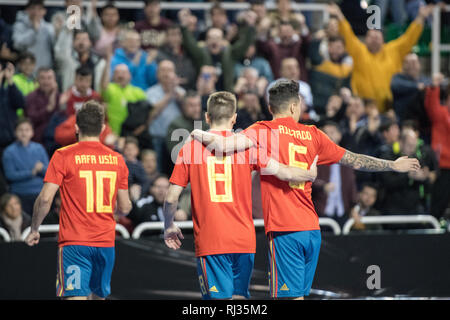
(83, 270)
(223, 275)
(293, 258)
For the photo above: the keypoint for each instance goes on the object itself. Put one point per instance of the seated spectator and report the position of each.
(153, 28)
(285, 14)
(367, 136)
(25, 163)
(206, 83)
(141, 64)
(328, 75)
(355, 118)
(118, 94)
(174, 51)
(253, 60)
(375, 62)
(80, 92)
(439, 115)
(407, 91)
(24, 78)
(108, 40)
(404, 192)
(334, 190)
(249, 111)
(149, 160)
(165, 97)
(290, 70)
(43, 102)
(250, 80)
(11, 100)
(137, 178)
(33, 34)
(71, 54)
(12, 217)
(364, 208)
(288, 44)
(184, 124)
(390, 132)
(217, 52)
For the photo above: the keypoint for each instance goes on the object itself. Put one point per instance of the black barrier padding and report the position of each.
(411, 265)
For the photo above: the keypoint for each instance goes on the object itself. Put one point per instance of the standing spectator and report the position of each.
(285, 14)
(328, 76)
(118, 94)
(250, 80)
(140, 63)
(70, 55)
(24, 79)
(165, 97)
(334, 190)
(74, 98)
(149, 159)
(217, 52)
(153, 28)
(390, 132)
(206, 83)
(43, 102)
(219, 20)
(7, 51)
(25, 163)
(32, 33)
(375, 62)
(439, 116)
(109, 34)
(407, 90)
(288, 44)
(330, 31)
(191, 111)
(174, 51)
(12, 217)
(364, 208)
(11, 100)
(403, 192)
(137, 179)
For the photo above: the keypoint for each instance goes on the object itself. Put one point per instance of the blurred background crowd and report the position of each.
(370, 91)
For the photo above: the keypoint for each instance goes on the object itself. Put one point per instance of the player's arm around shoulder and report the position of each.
(237, 142)
(291, 174)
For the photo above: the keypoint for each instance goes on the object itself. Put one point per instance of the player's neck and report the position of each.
(82, 138)
(221, 127)
(281, 115)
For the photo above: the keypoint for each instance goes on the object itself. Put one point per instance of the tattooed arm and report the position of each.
(172, 234)
(370, 164)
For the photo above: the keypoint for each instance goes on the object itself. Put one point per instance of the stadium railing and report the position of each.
(53, 228)
(5, 235)
(147, 226)
(397, 219)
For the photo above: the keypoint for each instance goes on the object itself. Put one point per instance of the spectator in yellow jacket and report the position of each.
(374, 61)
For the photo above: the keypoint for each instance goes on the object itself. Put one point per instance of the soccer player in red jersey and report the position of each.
(93, 183)
(290, 220)
(221, 185)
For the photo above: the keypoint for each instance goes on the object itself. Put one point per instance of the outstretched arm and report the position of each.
(221, 144)
(370, 164)
(172, 234)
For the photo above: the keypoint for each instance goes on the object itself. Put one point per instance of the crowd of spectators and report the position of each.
(154, 70)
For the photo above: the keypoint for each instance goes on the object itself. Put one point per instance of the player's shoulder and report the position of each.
(66, 149)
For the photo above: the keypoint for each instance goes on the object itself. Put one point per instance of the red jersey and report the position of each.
(76, 100)
(288, 206)
(89, 175)
(221, 198)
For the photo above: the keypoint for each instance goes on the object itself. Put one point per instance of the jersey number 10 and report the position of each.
(100, 176)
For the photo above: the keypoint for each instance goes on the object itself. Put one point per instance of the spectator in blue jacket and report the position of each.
(141, 64)
(25, 163)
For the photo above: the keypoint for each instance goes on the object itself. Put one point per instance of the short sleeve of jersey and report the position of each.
(260, 137)
(328, 151)
(123, 179)
(55, 171)
(180, 173)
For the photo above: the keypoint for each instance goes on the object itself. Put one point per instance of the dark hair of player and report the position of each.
(282, 94)
(90, 119)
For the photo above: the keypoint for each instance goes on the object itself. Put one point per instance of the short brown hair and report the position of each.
(221, 106)
(90, 119)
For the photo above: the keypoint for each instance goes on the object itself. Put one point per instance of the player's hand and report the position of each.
(313, 169)
(405, 164)
(173, 237)
(32, 238)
